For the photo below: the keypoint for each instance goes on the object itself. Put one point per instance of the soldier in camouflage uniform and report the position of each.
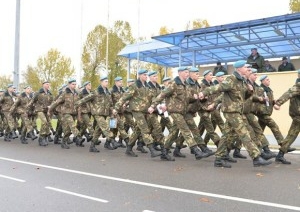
(165, 122)
(116, 93)
(139, 98)
(265, 109)
(7, 101)
(236, 91)
(84, 113)
(178, 97)
(20, 107)
(69, 114)
(1, 116)
(101, 107)
(293, 94)
(40, 102)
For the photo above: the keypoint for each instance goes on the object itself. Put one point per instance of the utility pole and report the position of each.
(17, 45)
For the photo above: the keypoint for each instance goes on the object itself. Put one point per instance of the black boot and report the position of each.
(280, 158)
(23, 139)
(114, 143)
(107, 144)
(88, 137)
(177, 153)
(43, 141)
(1, 134)
(56, 140)
(229, 159)
(156, 146)
(269, 152)
(291, 149)
(129, 151)
(140, 147)
(78, 141)
(205, 149)
(93, 148)
(120, 141)
(153, 152)
(198, 154)
(165, 154)
(237, 154)
(259, 161)
(49, 138)
(13, 134)
(28, 135)
(64, 144)
(32, 135)
(219, 162)
(6, 137)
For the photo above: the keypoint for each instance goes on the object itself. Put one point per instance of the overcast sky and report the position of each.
(64, 24)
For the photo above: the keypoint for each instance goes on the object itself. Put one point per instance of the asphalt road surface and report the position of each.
(34, 178)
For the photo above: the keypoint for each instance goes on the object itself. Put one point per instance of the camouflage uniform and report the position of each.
(264, 113)
(293, 94)
(40, 102)
(235, 93)
(69, 114)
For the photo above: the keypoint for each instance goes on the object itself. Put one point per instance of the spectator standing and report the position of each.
(220, 68)
(256, 60)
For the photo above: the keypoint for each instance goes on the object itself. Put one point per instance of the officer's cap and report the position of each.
(241, 63)
(206, 72)
(130, 80)
(166, 79)
(10, 85)
(103, 78)
(182, 68)
(219, 74)
(142, 71)
(118, 78)
(152, 73)
(263, 77)
(194, 69)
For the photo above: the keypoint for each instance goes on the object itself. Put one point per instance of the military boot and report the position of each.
(229, 159)
(280, 158)
(120, 142)
(259, 161)
(291, 149)
(56, 139)
(140, 147)
(93, 148)
(237, 154)
(165, 154)
(107, 144)
(49, 138)
(205, 149)
(32, 135)
(78, 141)
(6, 137)
(23, 139)
(156, 146)
(88, 137)
(114, 143)
(177, 153)
(64, 143)
(43, 141)
(269, 152)
(28, 135)
(13, 134)
(219, 162)
(198, 154)
(1, 134)
(153, 152)
(129, 151)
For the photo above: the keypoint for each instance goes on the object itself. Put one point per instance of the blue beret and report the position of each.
(183, 68)
(86, 83)
(10, 85)
(219, 74)
(130, 80)
(27, 86)
(253, 70)
(118, 78)
(71, 80)
(46, 81)
(299, 71)
(194, 69)
(103, 78)
(240, 63)
(206, 72)
(151, 73)
(166, 79)
(142, 71)
(263, 77)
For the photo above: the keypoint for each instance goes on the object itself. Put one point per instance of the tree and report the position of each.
(94, 52)
(294, 6)
(164, 30)
(196, 24)
(4, 81)
(52, 67)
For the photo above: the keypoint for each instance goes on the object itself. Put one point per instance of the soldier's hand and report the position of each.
(276, 107)
(201, 96)
(250, 87)
(196, 96)
(163, 108)
(211, 106)
(114, 112)
(150, 109)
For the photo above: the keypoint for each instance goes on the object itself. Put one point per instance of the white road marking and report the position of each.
(12, 178)
(238, 199)
(147, 211)
(77, 194)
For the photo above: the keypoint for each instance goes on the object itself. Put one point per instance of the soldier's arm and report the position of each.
(15, 105)
(292, 92)
(85, 99)
(126, 96)
(57, 102)
(164, 93)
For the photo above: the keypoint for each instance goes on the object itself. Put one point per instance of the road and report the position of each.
(34, 178)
